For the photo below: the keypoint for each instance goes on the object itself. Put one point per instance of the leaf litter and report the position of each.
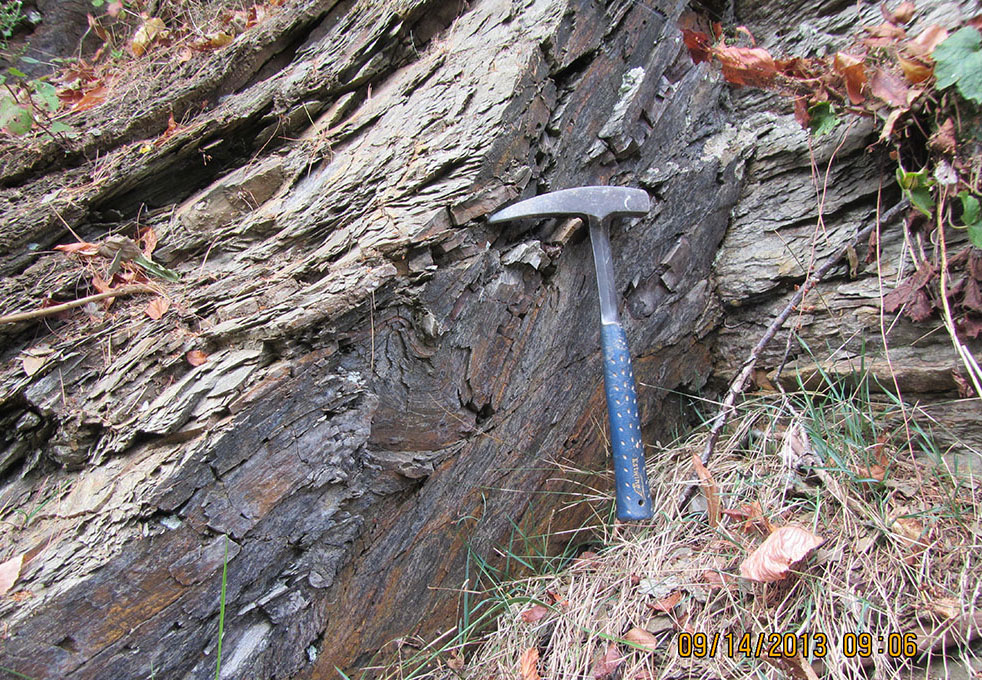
(806, 544)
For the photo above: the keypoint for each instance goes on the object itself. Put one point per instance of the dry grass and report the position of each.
(901, 555)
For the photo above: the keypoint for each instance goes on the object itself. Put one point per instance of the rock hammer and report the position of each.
(599, 205)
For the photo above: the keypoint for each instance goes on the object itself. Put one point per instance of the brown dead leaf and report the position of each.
(901, 15)
(196, 357)
(455, 661)
(642, 638)
(97, 28)
(152, 29)
(10, 572)
(587, 560)
(853, 72)
(709, 489)
(796, 667)
(170, 130)
(801, 112)
(923, 45)
(528, 666)
(943, 140)
(157, 307)
(717, 579)
(908, 528)
(148, 238)
(752, 516)
(605, 665)
(32, 364)
(81, 248)
(90, 98)
(773, 559)
(535, 613)
(752, 66)
(888, 87)
(667, 603)
(915, 69)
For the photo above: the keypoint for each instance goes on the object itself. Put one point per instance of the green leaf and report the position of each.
(958, 61)
(822, 119)
(98, 3)
(46, 95)
(972, 217)
(16, 72)
(917, 189)
(157, 270)
(30, 60)
(15, 119)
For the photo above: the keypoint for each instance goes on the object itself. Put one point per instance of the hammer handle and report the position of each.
(633, 499)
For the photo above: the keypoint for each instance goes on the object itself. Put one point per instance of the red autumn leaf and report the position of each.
(746, 65)
(699, 44)
(853, 71)
(642, 638)
(605, 666)
(528, 665)
(709, 489)
(157, 307)
(534, 613)
(196, 357)
(90, 99)
(801, 112)
(889, 88)
(772, 560)
(171, 129)
(9, 572)
(667, 603)
(906, 292)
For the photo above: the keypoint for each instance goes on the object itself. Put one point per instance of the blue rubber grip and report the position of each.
(633, 499)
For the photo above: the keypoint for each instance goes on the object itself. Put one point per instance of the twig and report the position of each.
(57, 309)
(739, 382)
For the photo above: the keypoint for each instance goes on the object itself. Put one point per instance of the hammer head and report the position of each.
(596, 202)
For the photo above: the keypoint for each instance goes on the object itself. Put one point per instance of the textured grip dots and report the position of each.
(630, 480)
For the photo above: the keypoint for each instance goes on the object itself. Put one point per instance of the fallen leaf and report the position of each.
(32, 364)
(528, 666)
(82, 248)
(9, 573)
(456, 661)
(890, 123)
(605, 666)
(717, 579)
(196, 357)
(639, 637)
(794, 666)
(534, 613)
(924, 44)
(772, 560)
(746, 65)
(148, 238)
(915, 69)
(90, 99)
(801, 112)
(709, 490)
(97, 28)
(170, 130)
(151, 29)
(906, 292)
(907, 527)
(157, 307)
(853, 71)
(888, 87)
(587, 560)
(666, 604)
(903, 14)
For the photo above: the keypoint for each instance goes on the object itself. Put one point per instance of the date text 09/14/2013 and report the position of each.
(780, 645)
